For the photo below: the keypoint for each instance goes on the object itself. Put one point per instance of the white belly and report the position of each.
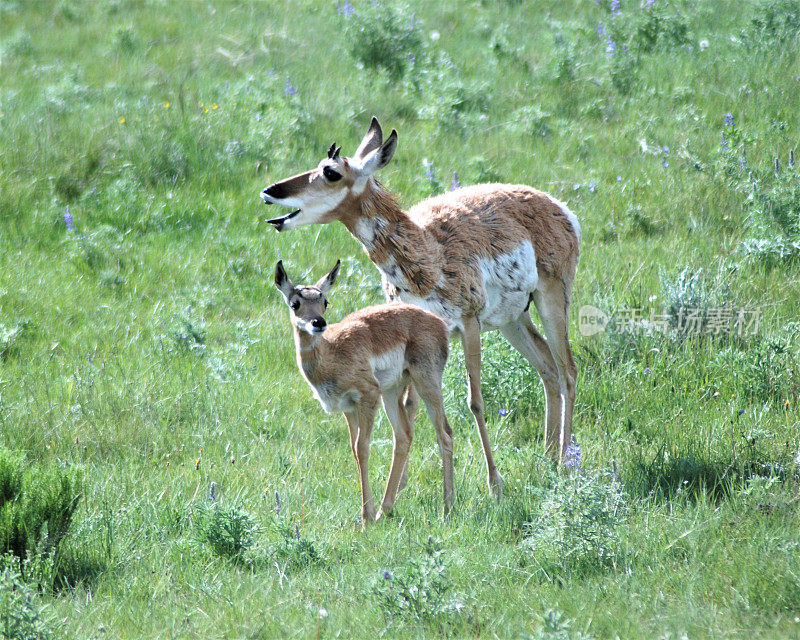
(508, 280)
(333, 399)
(388, 367)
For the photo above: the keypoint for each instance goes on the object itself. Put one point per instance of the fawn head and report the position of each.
(307, 305)
(321, 195)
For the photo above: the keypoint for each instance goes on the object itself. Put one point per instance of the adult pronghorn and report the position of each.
(476, 256)
(372, 354)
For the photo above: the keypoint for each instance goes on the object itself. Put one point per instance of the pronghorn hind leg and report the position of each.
(524, 337)
(471, 338)
(552, 301)
(403, 435)
(431, 392)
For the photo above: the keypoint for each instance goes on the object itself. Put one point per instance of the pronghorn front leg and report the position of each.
(471, 338)
(403, 435)
(366, 418)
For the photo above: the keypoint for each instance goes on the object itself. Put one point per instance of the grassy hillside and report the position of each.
(143, 343)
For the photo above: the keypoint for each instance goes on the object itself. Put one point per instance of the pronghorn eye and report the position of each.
(295, 305)
(326, 304)
(331, 174)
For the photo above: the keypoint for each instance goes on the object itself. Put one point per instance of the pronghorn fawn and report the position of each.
(477, 256)
(374, 353)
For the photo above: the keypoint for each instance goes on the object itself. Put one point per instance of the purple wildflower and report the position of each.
(592, 187)
(69, 219)
(503, 412)
(649, 4)
(611, 47)
(741, 411)
(455, 183)
(296, 531)
(729, 120)
(615, 10)
(430, 176)
(665, 163)
(665, 149)
(646, 371)
(573, 455)
(601, 30)
(619, 178)
(346, 9)
(212, 493)
(387, 575)
(724, 142)
(277, 504)
(289, 90)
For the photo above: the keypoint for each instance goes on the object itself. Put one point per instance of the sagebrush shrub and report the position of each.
(420, 589)
(577, 527)
(773, 22)
(767, 371)
(21, 615)
(385, 37)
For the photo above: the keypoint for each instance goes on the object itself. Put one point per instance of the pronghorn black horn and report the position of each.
(331, 149)
(335, 155)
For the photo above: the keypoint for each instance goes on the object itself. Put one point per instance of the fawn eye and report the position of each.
(295, 305)
(326, 304)
(331, 174)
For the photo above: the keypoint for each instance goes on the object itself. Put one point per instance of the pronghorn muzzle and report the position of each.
(281, 220)
(286, 189)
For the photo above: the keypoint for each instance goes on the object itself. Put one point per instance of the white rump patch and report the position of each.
(573, 219)
(388, 367)
(509, 280)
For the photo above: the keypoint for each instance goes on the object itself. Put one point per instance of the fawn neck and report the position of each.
(308, 347)
(405, 252)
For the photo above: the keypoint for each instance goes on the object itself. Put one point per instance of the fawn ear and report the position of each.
(372, 140)
(282, 281)
(326, 283)
(378, 159)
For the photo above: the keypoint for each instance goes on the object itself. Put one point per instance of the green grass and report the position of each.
(149, 348)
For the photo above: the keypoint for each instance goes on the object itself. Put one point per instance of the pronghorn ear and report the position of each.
(326, 283)
(282, 281)
(371, 141)
(379, 158)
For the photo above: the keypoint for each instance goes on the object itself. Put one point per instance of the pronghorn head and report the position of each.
(306, 304)
(317, 196)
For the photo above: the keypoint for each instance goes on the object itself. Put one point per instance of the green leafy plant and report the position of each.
(291, 549)
(229, 532)
(554, 626)
(36, 505)
(420, 589)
